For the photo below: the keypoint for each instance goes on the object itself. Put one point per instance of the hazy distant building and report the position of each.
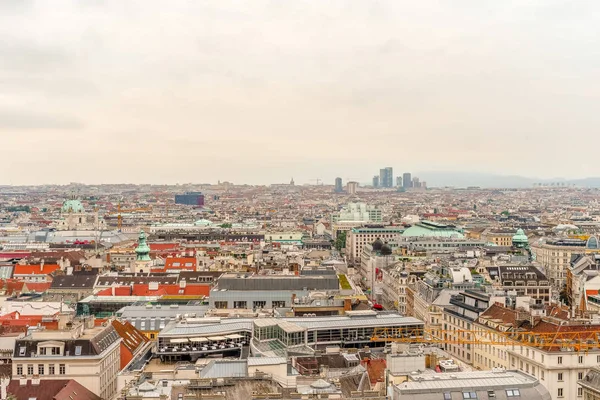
(351, 187)
(190, 199)
(338, 185)
(358, 212)
(398, 181)
(406, 180)
(386, 177)
(376, 181)
(415, 182)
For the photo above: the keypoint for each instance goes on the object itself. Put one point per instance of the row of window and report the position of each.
(41, 368)
(490, 394)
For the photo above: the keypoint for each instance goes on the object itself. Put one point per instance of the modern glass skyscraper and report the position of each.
(406, 180)
(386, 177)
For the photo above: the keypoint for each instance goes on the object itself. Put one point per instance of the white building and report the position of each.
(89, 356)
(358, 212)
(357, 238)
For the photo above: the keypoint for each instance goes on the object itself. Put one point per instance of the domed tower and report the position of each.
(386, 250)
(74, 217)
(142, 251)
(520, 240)
(377, 244)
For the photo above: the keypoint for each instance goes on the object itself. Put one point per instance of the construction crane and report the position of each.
(567, 341)
(318, 180)
(129, 210)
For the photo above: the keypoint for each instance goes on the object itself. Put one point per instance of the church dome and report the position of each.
(520, 236)
(377, 244)
(386, 250)
(520, 239)
(72, 206)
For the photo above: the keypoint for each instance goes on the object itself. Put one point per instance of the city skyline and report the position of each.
(219, 86)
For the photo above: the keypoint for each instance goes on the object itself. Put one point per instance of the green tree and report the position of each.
(226, 225)
(340, 241)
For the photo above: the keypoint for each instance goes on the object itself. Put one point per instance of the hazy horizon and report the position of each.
(263, 91)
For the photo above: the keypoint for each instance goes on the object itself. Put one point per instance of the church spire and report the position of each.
(142, 250)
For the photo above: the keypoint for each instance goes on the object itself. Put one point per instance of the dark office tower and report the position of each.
(406, 180)
(338, 185)
(382, 177)
(376, 181)
(190, 199)
(398, 181)
(388, 182)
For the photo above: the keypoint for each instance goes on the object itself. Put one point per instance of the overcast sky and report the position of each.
(259, 91)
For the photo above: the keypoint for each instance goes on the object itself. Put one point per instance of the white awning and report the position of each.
(182, 340)
(199, 339)
(234, 336)
(216, 338)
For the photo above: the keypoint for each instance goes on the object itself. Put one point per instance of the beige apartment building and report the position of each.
(357, 238)
(90, 356)
(500, 237)
(559, 370)
(555, 256)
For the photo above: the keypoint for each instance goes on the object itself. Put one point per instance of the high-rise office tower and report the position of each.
(386, 177)
(338, 185)
(382, 177)
(406, 180)
(398, 181)
(415, 182)
(376, 181)
(351, 187)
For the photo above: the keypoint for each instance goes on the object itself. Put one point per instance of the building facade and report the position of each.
(89, 356)
(357, 238)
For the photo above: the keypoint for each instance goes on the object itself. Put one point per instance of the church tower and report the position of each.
(142, 251)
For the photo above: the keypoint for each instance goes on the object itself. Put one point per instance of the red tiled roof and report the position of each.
(375, 369)
(189, 290)
(498, 312)
(118, 291)
(14, 254)
(163, 290)
(50, 389)
(133, 340)
(163, 246)
(180, 262)
(38, 287)
(47, 269)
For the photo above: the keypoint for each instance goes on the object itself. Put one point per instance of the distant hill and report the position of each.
(465, 179)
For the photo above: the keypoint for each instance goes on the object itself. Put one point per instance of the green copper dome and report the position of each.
(520, 238)
(143, 250)
(72, 206)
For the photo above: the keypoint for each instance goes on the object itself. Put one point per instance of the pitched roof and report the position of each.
(180, 262)
(49, 389)
(133, 341)
(38, 287)
(78, 281)
(163, 246)
(35, 269)
(499, 313)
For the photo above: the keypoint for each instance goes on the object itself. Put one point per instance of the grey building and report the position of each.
(386, 177)
(376, 181)
(339, 187)
(496, 384)
(398, 181)
(406, 180)
(253, 292)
